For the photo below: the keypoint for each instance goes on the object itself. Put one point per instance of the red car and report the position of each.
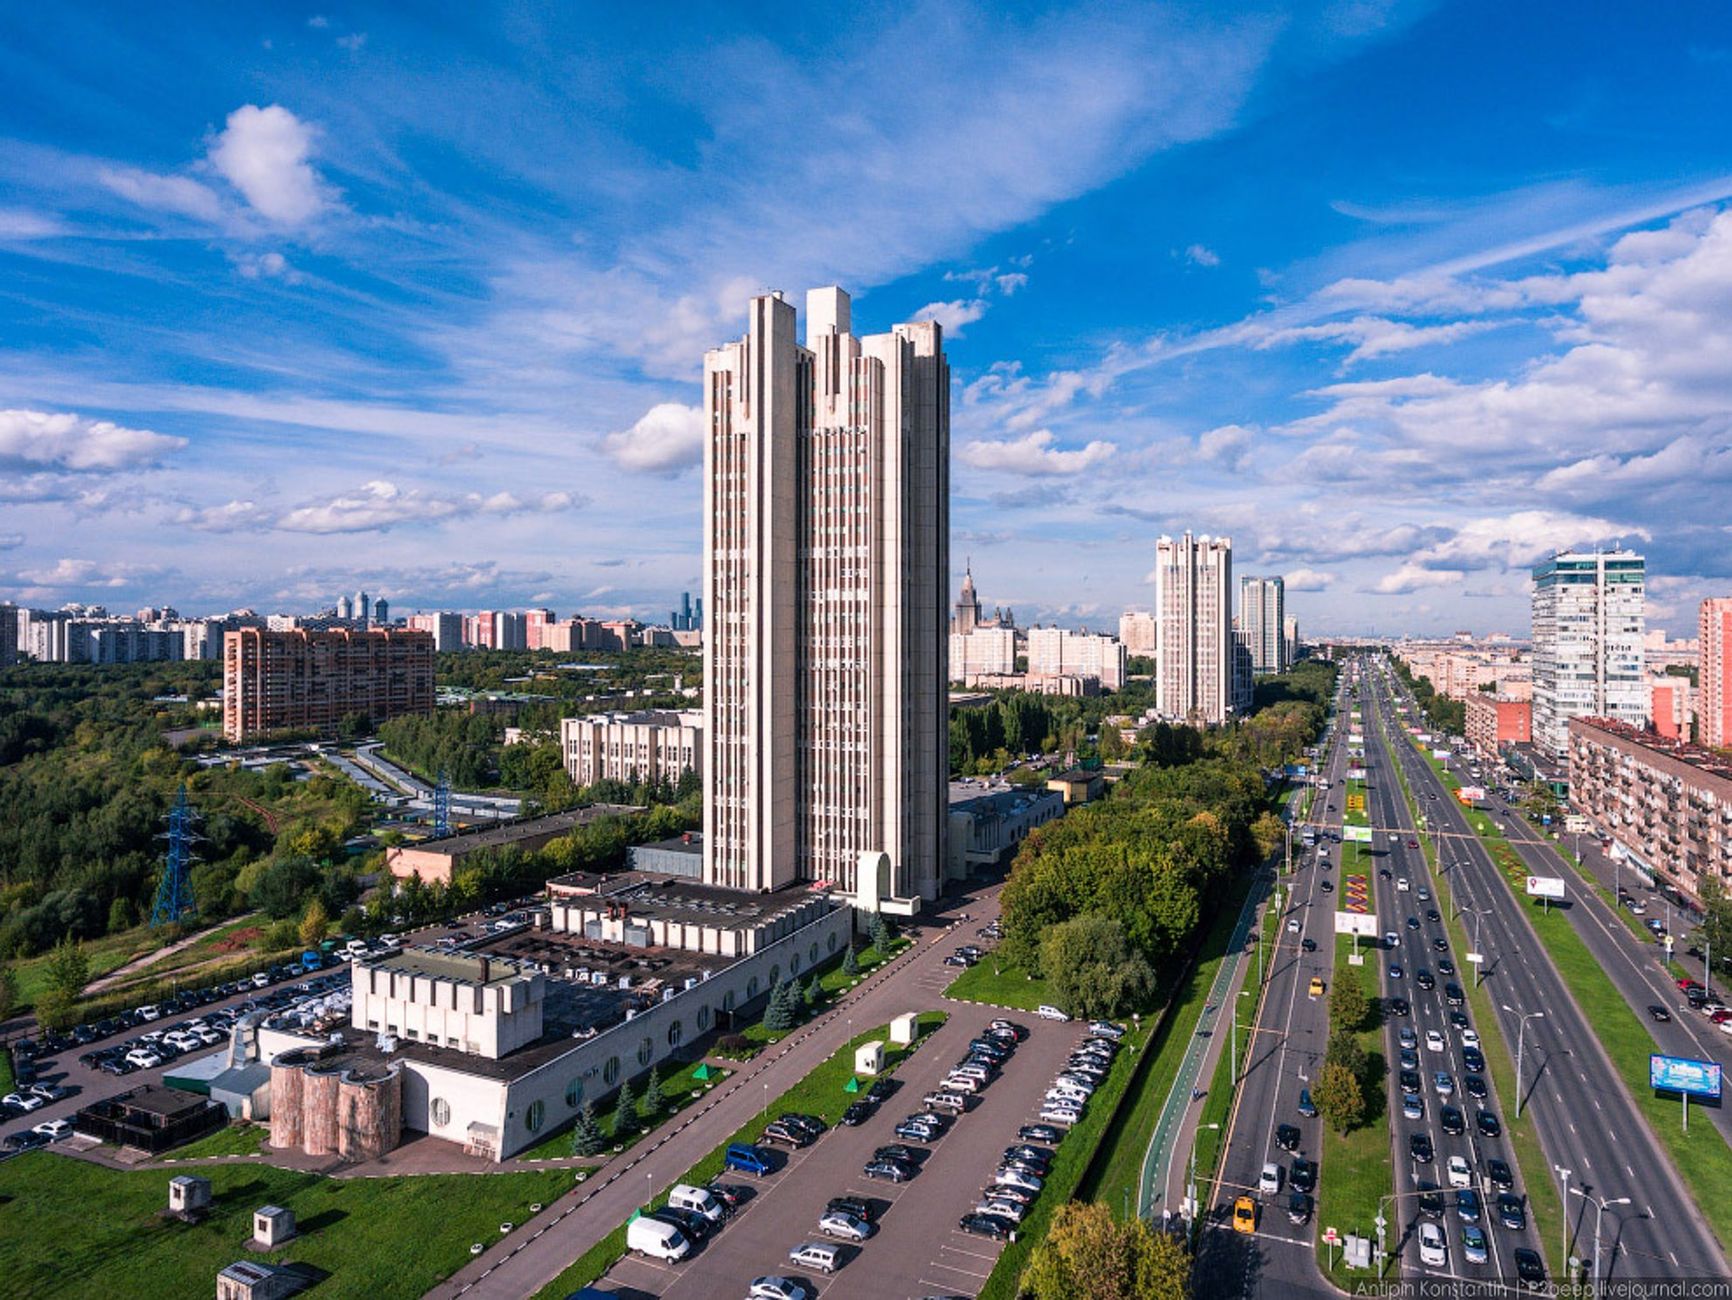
(1686, 984)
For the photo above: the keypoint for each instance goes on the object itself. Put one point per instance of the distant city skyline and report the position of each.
(283, 319)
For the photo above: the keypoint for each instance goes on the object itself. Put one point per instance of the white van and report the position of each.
(699, 1200)
(656, 1239)
(818, 1255)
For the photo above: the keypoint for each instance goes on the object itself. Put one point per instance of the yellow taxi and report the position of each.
(1244, 1215)
(1316, 988)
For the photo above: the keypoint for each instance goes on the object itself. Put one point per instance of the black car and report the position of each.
(1432, 915)
(1287, 1137)
(1441, 944)
(1659, 1014)
(1410, 1081)
(896, 1151)
(1473, 1058)
(1419, 1147)
(1446, 967)
(986, 1225)
(1039, 1133)
(1328, 888)
(1399, 1007)
(1453, 995)
(1458, 1019)
(693, 1224)
(1528, 1267)
(1487, 1124)
(1384, 872)
(1308, 945)
(1303, 1176)
(1425, 979)
(1454, 1123)
(730, 1195)
(1474, 1085)
(1298, 1208)
(881, 1090)
(858, 1206)
(895, 1171)
(1413, 923)
(1500, 1175)
(857, 1113)
(1510, 1212)
(1034, 1155)
(1430, 1200)
(810, 1123)
(25, 1141)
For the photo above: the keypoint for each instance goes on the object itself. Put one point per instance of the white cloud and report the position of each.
(318, 22)
(11, 541)
(953, 315)
(1410, 578)
(1308, 580)
(1010, 282)
(1229, 445)
(1201, 255)
(232, 516)
(1375, 336)
(380, 504)
(353, 41)
(668, 438)
(1518, 540)
(21, 223)
(71, 573)
(179, 194)
(1034, 454)
(65, 441)
(267, 266)
(263, 153)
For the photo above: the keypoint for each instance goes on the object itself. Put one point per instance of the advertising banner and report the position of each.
(1356, 834)
(1440, 753)
(1545, 887)
(1682, 1074)
(1471, 793)
(1363, 924)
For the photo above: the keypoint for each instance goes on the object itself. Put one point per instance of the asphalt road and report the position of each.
(1583, 1112)
(1283, 1056)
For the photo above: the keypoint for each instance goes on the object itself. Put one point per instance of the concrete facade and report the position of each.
(632, 747)
(305, 680)
(1588, 623)
(1493, 722)
(1137, 632)
(1664, 803)
(1058, 651)
(1194, 670)
(988, 822)
(467, 1004)
(1262, 618)
(982, 651)
(826, 555)
(1714, 672)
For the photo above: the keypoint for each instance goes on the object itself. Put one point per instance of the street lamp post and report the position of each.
(1565, 1175)
(1521, 1037)
(1191, 1187)
(1599, 1213)
(1233, 1043)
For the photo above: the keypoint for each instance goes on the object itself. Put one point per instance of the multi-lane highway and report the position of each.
(1584, 1113)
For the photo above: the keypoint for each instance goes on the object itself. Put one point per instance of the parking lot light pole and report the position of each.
(1521, 1036)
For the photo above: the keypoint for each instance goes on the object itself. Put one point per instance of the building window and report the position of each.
(832, 941)
(574, 1093)
(775, 975)
(610, 1071)
(536, 1117)
(373, 1024)
(793, 963)
(441, 1112)
(812, 952)
(645, 1050)
(728, 1002)
(703, 1019)
(751, 988)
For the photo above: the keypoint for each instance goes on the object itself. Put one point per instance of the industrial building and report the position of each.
(436, 859)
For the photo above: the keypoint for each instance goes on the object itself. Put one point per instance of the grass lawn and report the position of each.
(1357, 1168)
(999, 983)
(557, 1145)
(831, 984)
(79, 1229)
(235, 1140)
(7, 1079)
(106, 954)
(1117, 1180)
(820, 1093)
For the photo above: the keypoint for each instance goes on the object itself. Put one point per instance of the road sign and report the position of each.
(1682, 1074)
(1545, 887)
(1476, 957)
(1331, 1236)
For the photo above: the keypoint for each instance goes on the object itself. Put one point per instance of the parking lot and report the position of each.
(918, 1249)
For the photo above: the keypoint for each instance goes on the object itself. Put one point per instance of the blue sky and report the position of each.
(299, 299)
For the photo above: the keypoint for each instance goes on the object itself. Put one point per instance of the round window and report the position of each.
(728, 1001)
(645, 1050)
(832, 943)
(676, 1031)
(703, 1019)
(441, 1112)
(574, 1093)
(812, 952)
(536, 1116)
(610, 1071)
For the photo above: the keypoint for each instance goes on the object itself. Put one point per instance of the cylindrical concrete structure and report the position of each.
(370, 1107)
(286, 1103)
(319, 1111)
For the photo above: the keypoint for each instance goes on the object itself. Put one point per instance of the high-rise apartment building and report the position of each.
(1714, 673)
(1290, 635)
(1587, 635)
(986, 651)
(1137, 632)
(1262, 618)
(826, 562)
(312, 680)
(10, 620)
(1058, 651)
(1194, 660)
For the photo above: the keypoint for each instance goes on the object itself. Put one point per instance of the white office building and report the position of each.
(1588, 625)
(826, 563)
(985, 651)
(1262, 617)
(1194, 661)
(1058, 651)
(1137, 632)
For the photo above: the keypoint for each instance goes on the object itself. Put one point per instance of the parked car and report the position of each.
(986, 1225)
(1046, 1012)
(847, 1227)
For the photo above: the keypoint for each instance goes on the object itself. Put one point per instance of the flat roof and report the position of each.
(458, 967)
(695, 845)
(664, 897)
(498, 836)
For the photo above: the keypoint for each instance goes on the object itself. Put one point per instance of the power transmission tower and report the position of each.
(174, 899)
(442, 805)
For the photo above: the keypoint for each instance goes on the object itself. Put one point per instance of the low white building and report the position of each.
(468, 1004)
(646, 746)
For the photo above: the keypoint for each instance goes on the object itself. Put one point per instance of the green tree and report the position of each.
(624, 1112)
(120, 915)
(1088, 1255)
(850, 962)
(1716, 928)
(1339, 1097)
(8, 991)
(67, 970)
(586, 1138)
(782, 1012)
(1346, 1051)
(813, 992)
(1267, 832)
(1348, 1007)
(649, 1109)
(1092, 969)
(315, 923)
(881, 934)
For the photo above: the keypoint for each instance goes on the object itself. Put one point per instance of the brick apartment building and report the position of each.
(1667, 803)
(310, 680)
(1494, 721)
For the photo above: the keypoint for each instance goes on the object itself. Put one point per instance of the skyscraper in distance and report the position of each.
(1262, 613)
(1194, 656)
(826, 555)
(1714, 672)
(1588, 620)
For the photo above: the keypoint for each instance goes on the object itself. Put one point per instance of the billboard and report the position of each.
(1471, 794)
(1360, 834)
(1363, 924)
(1575, 822)
(1355, 774)
(1545, 887)
(1682, 1074)
(1440, 753)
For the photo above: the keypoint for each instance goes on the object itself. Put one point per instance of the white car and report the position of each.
(24, 1101)
(1433, 1248)
(1460, 1175)
(1470, 1038)
(1017, 1179)
(1269, 1181)
(1062, 1117)
(778, 1288)
(1293, 927)
(1402, 884)
(845, 1226)
(144, 1059)
(1391, 939)
(1002, 1208)
(1433, 1041)
(54, 1129)
(1050, 1013)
